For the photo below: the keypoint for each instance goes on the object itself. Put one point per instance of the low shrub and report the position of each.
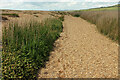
(11, 15)
(36, 15)
(4, 18)
(61, 18)
(76, 15)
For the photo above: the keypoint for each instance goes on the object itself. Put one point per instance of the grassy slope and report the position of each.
(115, 7)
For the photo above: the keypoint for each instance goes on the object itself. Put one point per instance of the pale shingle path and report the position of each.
(82, 52)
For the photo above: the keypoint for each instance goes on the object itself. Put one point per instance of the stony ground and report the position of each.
(82, 52)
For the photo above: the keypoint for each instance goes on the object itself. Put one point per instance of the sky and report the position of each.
(55, 4)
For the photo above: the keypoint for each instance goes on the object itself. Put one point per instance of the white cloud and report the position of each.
(10, 4)
(104, 5)
(59, 0)
(73, 5)
(101, 0)
(42, 0)
(37, 0)
(83, 4)
(100, 5)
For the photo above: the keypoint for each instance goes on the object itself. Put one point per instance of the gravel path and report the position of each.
(81, 52)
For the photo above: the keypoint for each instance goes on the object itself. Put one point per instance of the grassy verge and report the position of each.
(26, 46)
(106, 21)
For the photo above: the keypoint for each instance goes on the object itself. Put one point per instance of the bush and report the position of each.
(11, 15)
(61, 18)
(36, 15)
(4, 18)
(77, 15)
(26, 48)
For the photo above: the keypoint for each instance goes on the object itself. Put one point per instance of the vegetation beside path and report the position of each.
(26, 46)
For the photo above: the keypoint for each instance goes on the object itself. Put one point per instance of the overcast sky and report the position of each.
(55, 4)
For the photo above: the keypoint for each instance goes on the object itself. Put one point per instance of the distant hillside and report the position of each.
(114, 7)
